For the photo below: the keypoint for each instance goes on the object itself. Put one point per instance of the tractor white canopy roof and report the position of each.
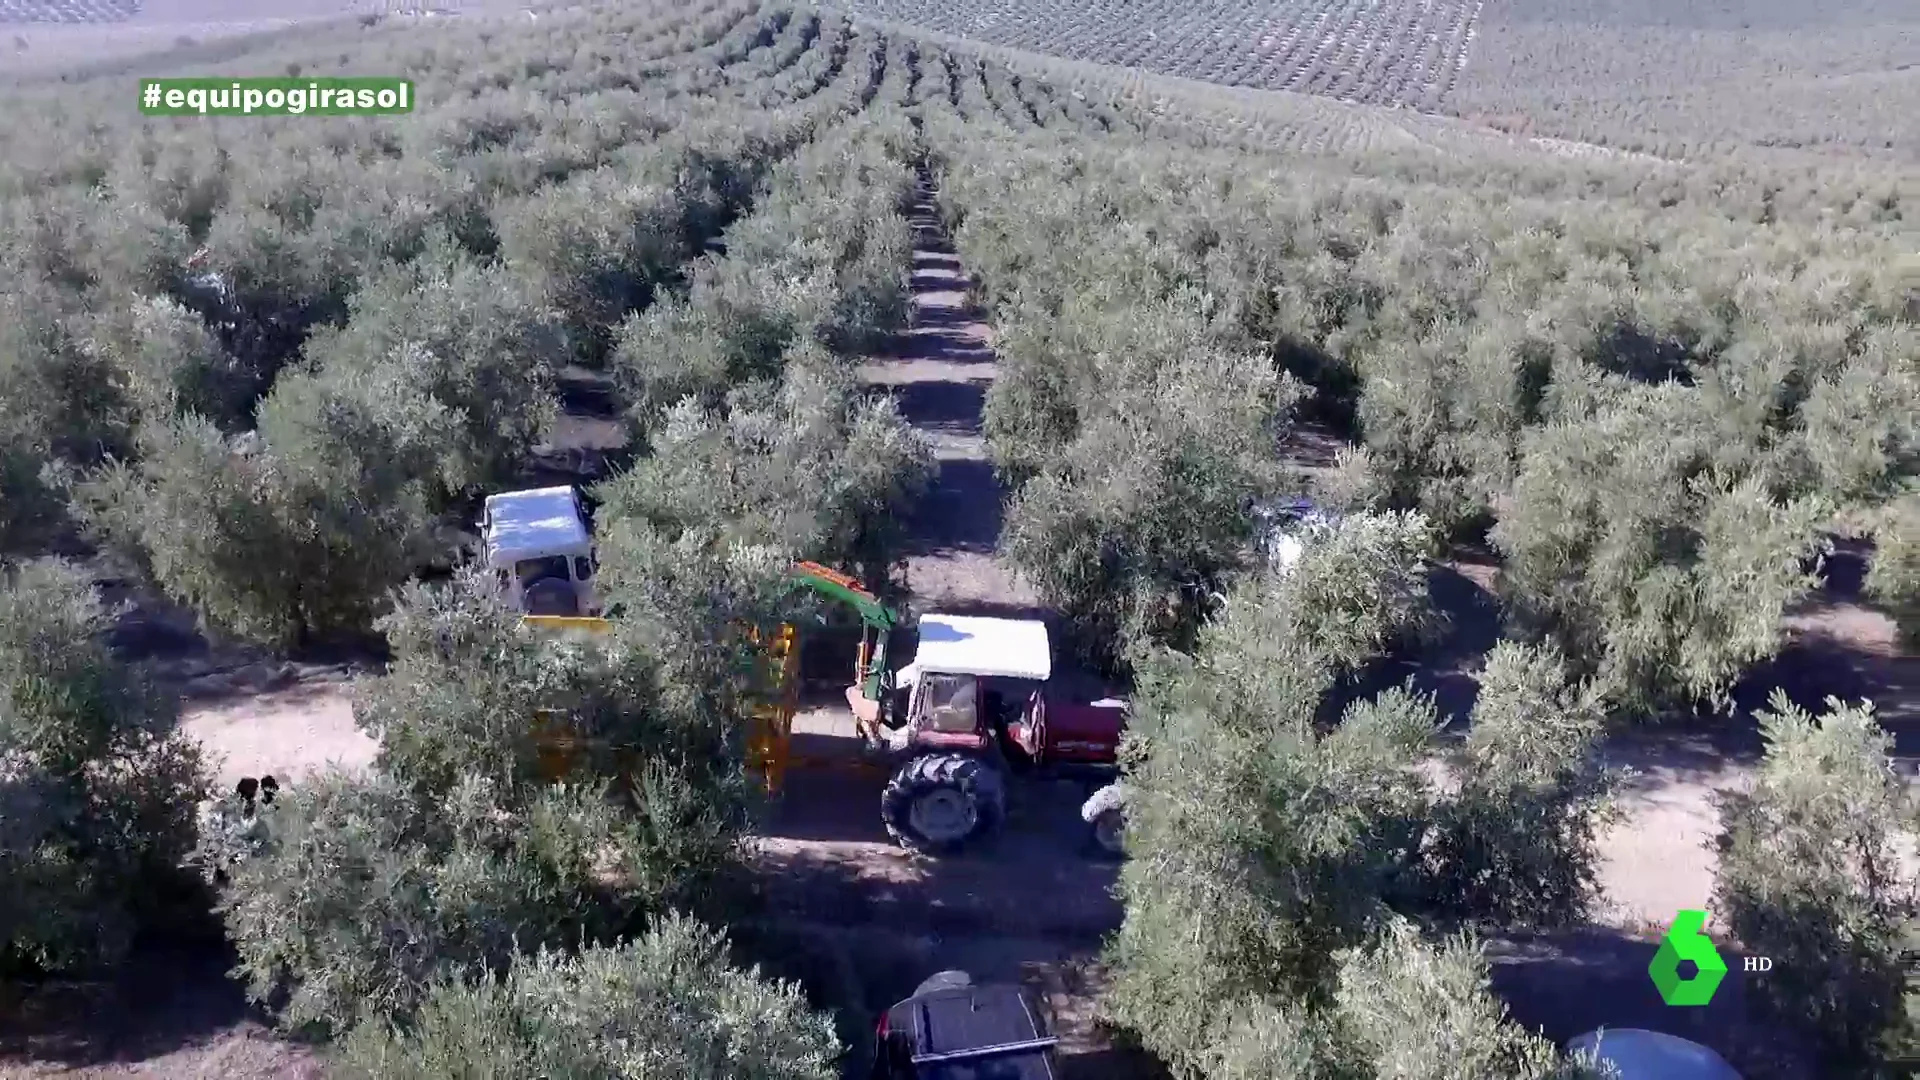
(533, 523)
(974, 645)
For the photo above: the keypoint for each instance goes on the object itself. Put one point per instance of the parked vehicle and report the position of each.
(1639, 1054)
(979, 699)
(540, 546)
(951, 1029)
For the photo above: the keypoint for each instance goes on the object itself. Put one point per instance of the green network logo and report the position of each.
(1684, 941)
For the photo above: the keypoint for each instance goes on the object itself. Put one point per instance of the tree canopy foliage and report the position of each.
(1652, 415)
(97, 787)
(665, 1004)
(1812, 876)
(1311, 846)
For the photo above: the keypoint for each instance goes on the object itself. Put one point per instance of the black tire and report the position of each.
(954, 979)
(967, 792)
(1107, 834)
(550, 596)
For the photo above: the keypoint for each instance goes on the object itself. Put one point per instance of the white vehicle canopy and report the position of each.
(533, 524)
(976, 645)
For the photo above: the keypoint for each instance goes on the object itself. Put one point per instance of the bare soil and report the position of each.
(169, 1012)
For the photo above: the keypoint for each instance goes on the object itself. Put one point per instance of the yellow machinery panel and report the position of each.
(592, 624)
(770, 730)
(770, 717)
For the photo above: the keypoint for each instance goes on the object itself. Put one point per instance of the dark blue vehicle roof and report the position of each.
(974, 1033)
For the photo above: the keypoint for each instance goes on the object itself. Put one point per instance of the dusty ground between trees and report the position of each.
(939, 374)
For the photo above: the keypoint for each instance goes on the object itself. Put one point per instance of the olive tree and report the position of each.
(474, 840)
(1237, 803)
(668, 1003)
(1811, 875)
(1412, 1009)
(1662, 575)
(293, 533)
(1306, 842)
(595, 247)
(360, 893)
(1134, 522)
(805, 463)
(1518, 841)
(31, 503)
(173, 365)
(97, 787)
(1893, 578)
(475, 340)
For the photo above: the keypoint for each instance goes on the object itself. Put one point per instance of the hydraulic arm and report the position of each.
(877, 621)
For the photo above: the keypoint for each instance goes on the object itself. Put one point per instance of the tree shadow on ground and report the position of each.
(1834, 649)
(950, 407)
(172, 993)
(1447, 668)
(944, 336)
(961, 512)
(824, 855)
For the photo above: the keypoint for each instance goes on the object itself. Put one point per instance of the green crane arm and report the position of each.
(877, 618)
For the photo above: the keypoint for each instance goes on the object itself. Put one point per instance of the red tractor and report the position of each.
(977, 701)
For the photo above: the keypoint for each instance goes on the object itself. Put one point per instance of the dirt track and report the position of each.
(1033, 905)
(939, 374)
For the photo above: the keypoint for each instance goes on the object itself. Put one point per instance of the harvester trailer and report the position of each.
(977, 701)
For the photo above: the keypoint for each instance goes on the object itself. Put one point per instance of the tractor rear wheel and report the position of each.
(1108, 831)
(937, 803)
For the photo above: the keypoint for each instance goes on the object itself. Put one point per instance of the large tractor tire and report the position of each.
(1106, 816)
(550, 596)
(938, 803)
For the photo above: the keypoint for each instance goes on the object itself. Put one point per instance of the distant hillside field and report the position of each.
(1678, 78)
(1683, 76)
(1387, 52)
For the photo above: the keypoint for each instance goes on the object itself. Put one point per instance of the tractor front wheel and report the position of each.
(937, 803)
(1108, 830)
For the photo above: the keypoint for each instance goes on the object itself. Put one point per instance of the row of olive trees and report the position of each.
(1657, 431)
(111, 228)
(373, 907)
(1134, 439)
(459, 843)
(1655, 532)
(370, 906)
(1339, 876)
(433, 388)
(1334, 871)
(743, 391)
